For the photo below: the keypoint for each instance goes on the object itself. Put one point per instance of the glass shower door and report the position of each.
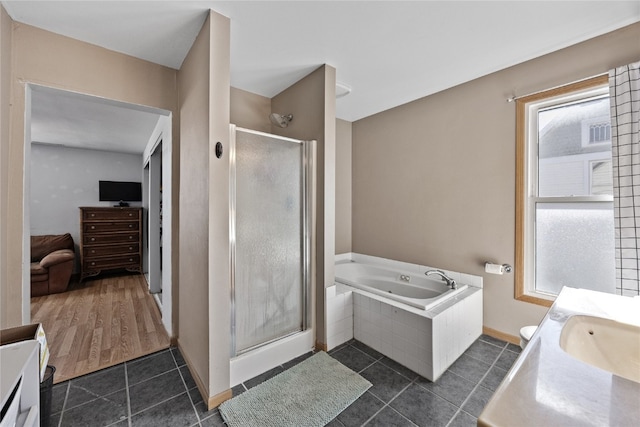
(269, 256)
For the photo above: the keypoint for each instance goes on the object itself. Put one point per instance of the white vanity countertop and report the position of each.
(548, 387)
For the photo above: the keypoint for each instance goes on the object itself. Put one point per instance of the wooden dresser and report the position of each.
(110, 238)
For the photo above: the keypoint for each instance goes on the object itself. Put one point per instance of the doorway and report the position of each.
(92, 127)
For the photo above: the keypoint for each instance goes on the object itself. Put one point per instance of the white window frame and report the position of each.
(527, 179)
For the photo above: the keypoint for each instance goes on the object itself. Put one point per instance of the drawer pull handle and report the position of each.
(93, 227)
(130, 248)
(130, 225)
(93, 214)
(93, 251)
(130, 259)
(130, 214)
(93, 239)
(93, 263)
(130, 237)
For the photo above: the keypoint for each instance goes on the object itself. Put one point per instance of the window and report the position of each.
(564, 198)
(601, 177)
(600, 132)
(596, 131)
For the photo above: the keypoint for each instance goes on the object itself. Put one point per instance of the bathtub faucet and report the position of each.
(450, 282)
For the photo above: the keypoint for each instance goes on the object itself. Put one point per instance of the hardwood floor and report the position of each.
(99, 323)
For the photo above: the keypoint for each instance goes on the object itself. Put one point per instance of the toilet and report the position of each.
(525, 335)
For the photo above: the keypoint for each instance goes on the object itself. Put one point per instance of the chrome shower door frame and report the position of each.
(307, 239)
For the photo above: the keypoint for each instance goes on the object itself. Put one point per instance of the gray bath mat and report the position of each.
(310, 394)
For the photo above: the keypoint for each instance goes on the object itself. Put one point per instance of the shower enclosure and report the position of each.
(271, 238)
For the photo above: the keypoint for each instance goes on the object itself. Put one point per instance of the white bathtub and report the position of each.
(398, 311)
(408, 288)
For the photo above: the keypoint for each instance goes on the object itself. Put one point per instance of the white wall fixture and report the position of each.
(342, 89)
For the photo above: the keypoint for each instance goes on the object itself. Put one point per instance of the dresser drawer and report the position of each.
(119, 261)
(91, 227)
(110, 213)
(98, 239)
(98, 251)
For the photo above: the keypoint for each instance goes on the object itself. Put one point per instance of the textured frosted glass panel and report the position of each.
(268, 281)
(574, 149)
(575, 247)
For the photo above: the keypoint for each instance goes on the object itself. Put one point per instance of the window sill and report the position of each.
(532, 299)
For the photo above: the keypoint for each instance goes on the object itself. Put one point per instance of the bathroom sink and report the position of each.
(604, 343)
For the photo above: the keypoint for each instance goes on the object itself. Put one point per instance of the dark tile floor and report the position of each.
(400, 397)
(157, 390)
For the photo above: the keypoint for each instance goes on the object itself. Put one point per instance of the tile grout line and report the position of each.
(66, 395)
(126, 386)
(477, 385)
(367, 367)
(366, 354)
(155, 376)
(400, 373)
(384, 405)
(459, 408)
(184, 383)
(160, 403)
(388, 403)
(411, 381)
(94, 398)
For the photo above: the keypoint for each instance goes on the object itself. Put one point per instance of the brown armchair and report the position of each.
(52, 261)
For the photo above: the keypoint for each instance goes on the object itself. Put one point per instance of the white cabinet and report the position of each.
(20, 372)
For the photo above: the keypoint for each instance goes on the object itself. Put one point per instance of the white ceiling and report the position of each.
(389, 52)
(81, 121)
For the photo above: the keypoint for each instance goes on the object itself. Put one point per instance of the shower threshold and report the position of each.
(267, 356)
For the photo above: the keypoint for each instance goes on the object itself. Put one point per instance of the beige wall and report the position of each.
(434, 180)
(312, 120)
(312, 103)
(193, 310)
(343, 186)
(203, 86)
(250, 111)
(5, 87)
(219, 256)
(60, 62)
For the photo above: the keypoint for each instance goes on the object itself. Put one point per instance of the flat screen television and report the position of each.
(116, 191)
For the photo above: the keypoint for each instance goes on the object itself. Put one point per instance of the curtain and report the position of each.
(624, 89)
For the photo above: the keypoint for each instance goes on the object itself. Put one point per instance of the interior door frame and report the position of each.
(163, 131)
(153, 226)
